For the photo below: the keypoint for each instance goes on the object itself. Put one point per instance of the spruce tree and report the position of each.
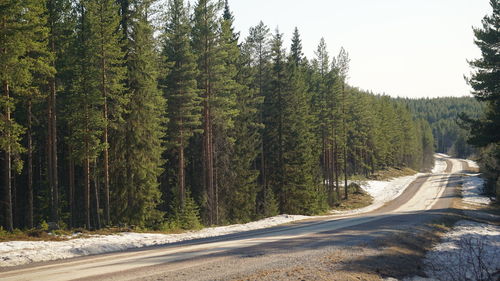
(274, 104)
(241, 198)
(301, 194)
(138, 153)
(296, 49)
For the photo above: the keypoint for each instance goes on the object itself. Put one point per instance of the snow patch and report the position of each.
(439, 166)
(23, 252)
(470, 251)
(382, 192)
(472, 164)
(473, 190)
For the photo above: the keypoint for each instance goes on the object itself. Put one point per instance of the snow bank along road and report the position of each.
(424, 199)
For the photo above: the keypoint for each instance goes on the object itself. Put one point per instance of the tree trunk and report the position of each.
(207, 137)
(7, 169)
(337, 169)
(344, 123)
(345, 173)
(86, 190)
(29, 215)
(52, 134)
(181, 176)
(106, 161)
(71, 185)
(105, 134)
(97, 219)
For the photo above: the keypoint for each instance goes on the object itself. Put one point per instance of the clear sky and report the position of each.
(411, 48)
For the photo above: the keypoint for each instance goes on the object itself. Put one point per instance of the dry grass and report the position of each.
(391, 173)
(56, 235)
(357, 199)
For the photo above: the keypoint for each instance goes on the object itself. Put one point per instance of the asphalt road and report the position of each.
(235, 255)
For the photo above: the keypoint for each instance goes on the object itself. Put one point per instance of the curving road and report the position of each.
(231, 255)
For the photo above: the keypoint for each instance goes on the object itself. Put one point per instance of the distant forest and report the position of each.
(116, 113)
(443, 114)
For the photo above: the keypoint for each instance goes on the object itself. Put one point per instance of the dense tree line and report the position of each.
(110, 119)
(443, 114)
(485, 82)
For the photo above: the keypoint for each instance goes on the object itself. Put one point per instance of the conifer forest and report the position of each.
(126, 112)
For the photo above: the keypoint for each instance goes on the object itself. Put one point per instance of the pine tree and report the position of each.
(216, 83)
(226, 111)
(485, 83)
(104, 23)
(184, 103)
(85, 105)
(324, 106)
(23, 51)
(138, 153)
(259, 50)
(342, 64)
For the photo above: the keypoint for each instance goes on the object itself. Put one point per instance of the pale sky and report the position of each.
(406, 48)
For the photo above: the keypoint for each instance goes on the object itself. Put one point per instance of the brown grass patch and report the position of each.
(357, 199)
(391, 173)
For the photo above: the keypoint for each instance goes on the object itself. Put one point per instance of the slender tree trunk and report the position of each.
(261, 121)
(345, 173)
(86, 171)
(337, 169)
(344, 121)
(71, 184)
(52, 131)
(15, 203)
(214, 175)
(97, 219)
(106, 120)
(281, 149)
(181, 175)
(207, 136)
(7, 169)
(50, 165)
(106, 156)
(86, 191)
(29, 215)
(206, 162)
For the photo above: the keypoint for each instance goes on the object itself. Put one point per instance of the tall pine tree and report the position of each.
(184, 103)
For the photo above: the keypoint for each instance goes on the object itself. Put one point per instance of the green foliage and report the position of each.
(202, 128)
(485, 130)
(443, 116)
(44, 225)
(138, 151)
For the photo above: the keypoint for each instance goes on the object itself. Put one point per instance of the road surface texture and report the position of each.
(286, 252)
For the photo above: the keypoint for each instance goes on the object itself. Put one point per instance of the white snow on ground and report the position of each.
(470, 251)
(473, 190)
(382, 192)
(472, 164)
(23, 252)
(439, 166)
